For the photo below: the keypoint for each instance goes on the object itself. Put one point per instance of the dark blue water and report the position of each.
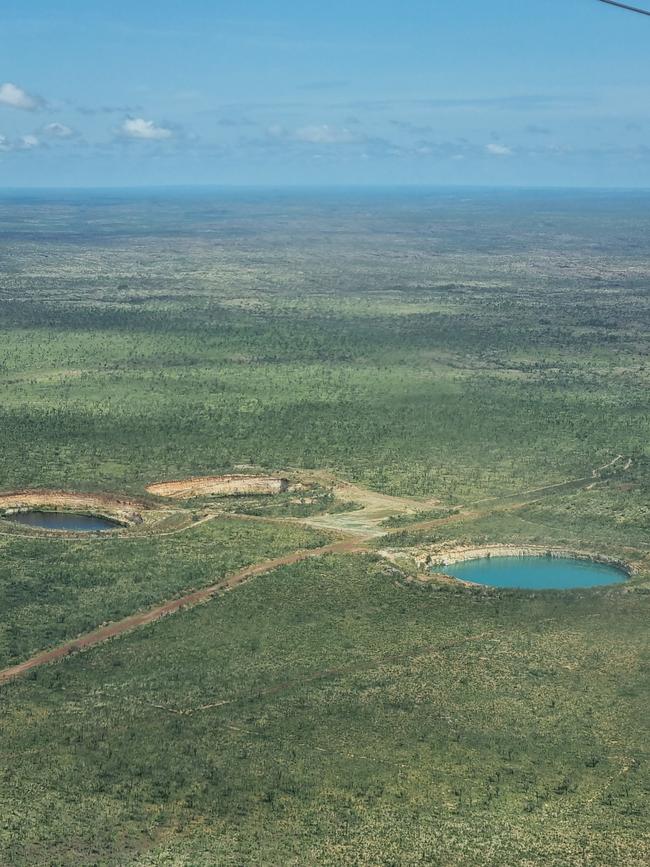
(535, 573)
(63, 521)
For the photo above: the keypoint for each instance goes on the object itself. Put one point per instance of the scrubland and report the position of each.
(465, 351)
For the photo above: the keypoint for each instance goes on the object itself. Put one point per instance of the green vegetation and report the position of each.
(611, 517)
(52, 589)
(465, 359)
(416, 517)
(486, 355)
(313, 501)
(328, 714)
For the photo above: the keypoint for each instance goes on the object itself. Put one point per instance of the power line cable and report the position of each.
(626, 7)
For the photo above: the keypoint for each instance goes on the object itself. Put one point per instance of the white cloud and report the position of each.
(24, 143)
(316, 134)
(144, 130)
(499, 150)
(58, 130)
(28, 142)
(15, 97)
(325, 134)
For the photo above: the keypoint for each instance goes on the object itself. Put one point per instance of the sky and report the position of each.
(110, 93)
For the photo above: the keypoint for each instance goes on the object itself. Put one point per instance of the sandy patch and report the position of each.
(219, 486)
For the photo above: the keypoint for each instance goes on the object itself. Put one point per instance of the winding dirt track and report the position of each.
(190, 600)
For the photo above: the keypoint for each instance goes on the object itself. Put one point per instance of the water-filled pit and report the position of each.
(66, 521)
(535, 573)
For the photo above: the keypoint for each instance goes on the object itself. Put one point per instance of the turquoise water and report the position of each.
(63, 521)
(535, 573)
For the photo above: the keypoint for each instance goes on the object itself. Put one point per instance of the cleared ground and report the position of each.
(223, 486)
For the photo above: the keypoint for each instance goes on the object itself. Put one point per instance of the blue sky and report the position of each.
(276, 92)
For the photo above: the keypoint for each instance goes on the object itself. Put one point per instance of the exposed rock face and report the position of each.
(116, 508)
(220, 486)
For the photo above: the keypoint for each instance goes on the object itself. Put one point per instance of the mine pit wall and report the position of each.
(220, 486)
(121, 511)
(427, 560)
(237, 487)
(120, 520)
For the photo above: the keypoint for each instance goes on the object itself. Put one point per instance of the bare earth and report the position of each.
(231, 485)
(375, 507)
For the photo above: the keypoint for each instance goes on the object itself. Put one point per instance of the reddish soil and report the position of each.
(157, 613)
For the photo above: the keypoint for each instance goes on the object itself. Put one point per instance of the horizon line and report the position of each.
(317, 187)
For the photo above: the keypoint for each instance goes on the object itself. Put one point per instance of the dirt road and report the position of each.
(376, 508)
(160, 611)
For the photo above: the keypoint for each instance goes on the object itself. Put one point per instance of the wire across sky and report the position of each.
(625, 6)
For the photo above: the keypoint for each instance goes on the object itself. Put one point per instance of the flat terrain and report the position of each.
(328, 714)
(267, 679)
